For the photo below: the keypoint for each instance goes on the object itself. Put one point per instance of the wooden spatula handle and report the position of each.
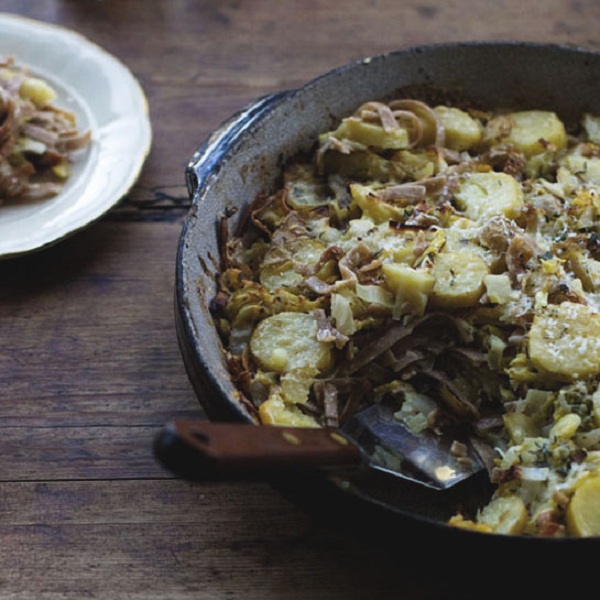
(206, 450)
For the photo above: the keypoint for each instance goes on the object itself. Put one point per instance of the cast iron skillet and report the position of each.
(244, 158)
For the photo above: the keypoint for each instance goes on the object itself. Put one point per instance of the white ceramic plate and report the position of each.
(107, 99)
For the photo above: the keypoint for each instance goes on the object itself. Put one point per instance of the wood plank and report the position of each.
(88, 452)
(88, 330)
(154, 540)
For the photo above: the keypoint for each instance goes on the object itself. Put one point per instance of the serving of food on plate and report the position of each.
(38, 139)
(74, 133)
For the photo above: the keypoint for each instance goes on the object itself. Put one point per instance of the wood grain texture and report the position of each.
(170, 539)
(90, 367)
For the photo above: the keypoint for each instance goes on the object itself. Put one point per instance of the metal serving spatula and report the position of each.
(204, 450)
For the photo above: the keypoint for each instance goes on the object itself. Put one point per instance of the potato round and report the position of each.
(532, 130)
(506, 515)
(462, 131)
(565, 341)
(287, 341)
(583, 513)
(458, 279)
(484, 195)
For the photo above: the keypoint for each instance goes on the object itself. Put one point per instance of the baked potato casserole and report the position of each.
(447, 259)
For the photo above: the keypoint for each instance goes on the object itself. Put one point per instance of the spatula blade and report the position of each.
(437, 461)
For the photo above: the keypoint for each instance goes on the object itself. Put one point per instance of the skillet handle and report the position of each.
(203, 450)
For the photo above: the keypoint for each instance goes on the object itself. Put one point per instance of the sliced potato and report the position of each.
(304, 195)
(281, 275)
(409, 285)
(462, 131)
(287, 274)
(499, 288)
(276, 411)
(586, 168)
(583, 512)
(459, 521)
(401, 247)
(287, 341)
(531, 131)
(415, 164)
(459, 279)
(485, 195)
(564, 341)
(372, 134)
(37, 90)
(364, 196)
(296, 384)
(566, 427)
(505, 515)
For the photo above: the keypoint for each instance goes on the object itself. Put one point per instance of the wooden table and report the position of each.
(90, 368)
